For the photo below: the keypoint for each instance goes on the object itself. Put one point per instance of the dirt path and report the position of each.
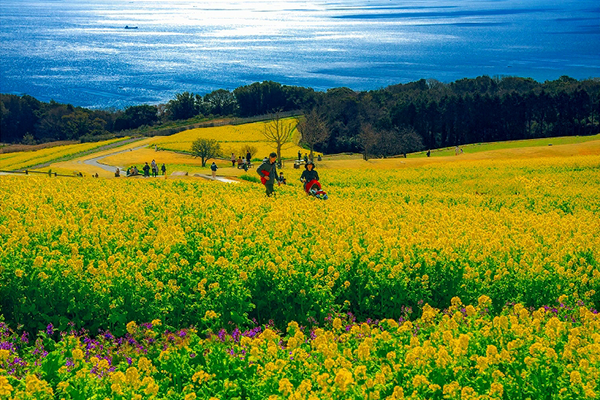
(94, 161)
(218, 178)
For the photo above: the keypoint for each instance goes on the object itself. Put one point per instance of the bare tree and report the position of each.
(409, 140)
(397, 141)
(313, 130)
(367, 139)
(206, 149)
(248, 148)
(279, 132)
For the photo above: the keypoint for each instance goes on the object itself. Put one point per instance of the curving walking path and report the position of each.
(94, 161)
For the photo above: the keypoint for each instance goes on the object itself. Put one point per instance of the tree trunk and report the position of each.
(279, 153)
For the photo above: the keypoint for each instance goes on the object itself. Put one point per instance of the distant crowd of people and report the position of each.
(134, 171)
(306, 158)
(243, 163)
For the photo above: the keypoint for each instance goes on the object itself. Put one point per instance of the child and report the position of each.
(281, 179)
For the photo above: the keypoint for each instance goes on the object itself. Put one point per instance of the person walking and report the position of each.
(163, 169)
(248, 157)
(146, 170)
(299, 155)
(214, 168)
(154, 168)
(268, 173)
(232, 160)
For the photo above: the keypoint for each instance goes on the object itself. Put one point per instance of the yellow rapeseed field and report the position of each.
(469, 279)
(140, 156)
(80, 165)
(232, 138)
(19, 160)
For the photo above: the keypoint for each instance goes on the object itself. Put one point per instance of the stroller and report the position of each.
(313, 188)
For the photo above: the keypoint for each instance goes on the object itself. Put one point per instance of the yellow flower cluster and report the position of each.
(232, 138)
(451, 355)
(441, 246)
(526, 231)
(19, 160)
(5, 387)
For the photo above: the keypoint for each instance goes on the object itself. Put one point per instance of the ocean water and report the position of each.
(79, 52)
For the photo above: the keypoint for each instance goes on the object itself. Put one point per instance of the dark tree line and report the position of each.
(25, 119)
(466, 111)
(392, 120)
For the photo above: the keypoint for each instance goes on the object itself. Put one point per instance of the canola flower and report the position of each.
(232, 138)
(437, 252)
(88, 252)
(518, 353)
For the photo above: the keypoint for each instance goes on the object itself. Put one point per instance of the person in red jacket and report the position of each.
(268, 173)
(310, 178)
(309, 175)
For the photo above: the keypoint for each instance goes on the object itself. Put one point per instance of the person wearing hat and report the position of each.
(268, 173)
(309, 174)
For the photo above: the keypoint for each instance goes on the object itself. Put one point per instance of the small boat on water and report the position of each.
(130, 27)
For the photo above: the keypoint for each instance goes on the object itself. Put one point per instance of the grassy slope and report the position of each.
(511, 144)
(590, 148)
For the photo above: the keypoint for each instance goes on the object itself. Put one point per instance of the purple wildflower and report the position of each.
(236, 335)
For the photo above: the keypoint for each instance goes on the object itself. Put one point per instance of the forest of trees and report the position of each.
(391, 120)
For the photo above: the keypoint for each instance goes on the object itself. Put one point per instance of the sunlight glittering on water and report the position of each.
(54, 49)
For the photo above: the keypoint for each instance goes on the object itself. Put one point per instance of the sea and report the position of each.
(110, 54)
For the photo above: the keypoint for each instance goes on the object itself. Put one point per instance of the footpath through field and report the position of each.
(94, 161)
(92, 151)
